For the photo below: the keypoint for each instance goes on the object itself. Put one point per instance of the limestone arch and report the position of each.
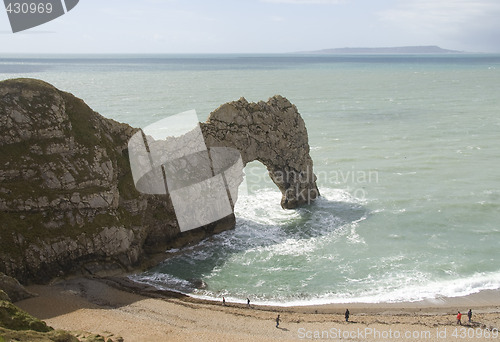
(273, 133)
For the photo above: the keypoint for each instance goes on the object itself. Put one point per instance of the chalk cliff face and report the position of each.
(67, 198)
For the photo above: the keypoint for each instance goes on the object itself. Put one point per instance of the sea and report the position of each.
(406, 149)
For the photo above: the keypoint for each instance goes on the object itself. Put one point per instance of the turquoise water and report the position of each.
(406, 150)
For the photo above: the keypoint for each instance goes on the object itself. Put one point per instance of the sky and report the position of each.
(259, 26)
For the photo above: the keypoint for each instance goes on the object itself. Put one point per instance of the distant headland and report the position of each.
(431, 49)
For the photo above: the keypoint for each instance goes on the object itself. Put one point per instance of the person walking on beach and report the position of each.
(459, 318)
(469, 314)
(347, 315)
(277, 321)
(248, 302)
(223, 301)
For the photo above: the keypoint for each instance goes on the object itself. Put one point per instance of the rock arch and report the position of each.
(273, 133)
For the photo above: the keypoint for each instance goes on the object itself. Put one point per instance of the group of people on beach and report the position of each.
(347, 314)
(278, 319)
(469, 316)
(224, 301)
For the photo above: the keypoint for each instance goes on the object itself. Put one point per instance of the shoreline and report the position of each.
(139, 312)
(481, 299)
(478, 300)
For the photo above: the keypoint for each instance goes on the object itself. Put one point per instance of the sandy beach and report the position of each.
(113, 306)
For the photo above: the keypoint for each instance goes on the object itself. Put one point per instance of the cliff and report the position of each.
(67, 198)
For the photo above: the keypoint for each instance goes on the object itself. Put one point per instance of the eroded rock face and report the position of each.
(67, 197)
(273, 133)
(66, 193)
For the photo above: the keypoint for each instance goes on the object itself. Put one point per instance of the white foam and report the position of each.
(427, 291)
(289, 247)
(264, 207)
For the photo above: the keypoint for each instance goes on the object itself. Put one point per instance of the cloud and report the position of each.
(276, 18)
(468, 23)
(307, 2)
(435, 12)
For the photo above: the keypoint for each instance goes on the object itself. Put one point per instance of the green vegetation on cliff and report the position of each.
(13, 318)
(17, 325)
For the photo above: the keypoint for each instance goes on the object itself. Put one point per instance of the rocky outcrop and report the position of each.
(61, 170)
(67, 197)
(13, 289)
(273, 133)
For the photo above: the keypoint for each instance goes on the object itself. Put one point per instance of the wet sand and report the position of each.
(140, 313)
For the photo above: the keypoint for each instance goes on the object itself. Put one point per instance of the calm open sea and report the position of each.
(407, 152)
